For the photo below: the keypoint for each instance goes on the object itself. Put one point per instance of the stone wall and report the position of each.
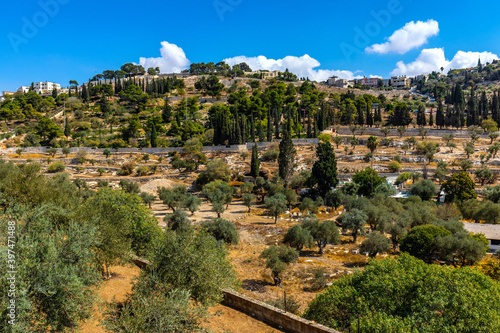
(206, 149)
(409, 132)
(271, 315)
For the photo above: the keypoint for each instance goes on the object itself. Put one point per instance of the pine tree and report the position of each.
(431, 119)
(255, 163)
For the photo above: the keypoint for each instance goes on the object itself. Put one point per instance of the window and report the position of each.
(495, 242)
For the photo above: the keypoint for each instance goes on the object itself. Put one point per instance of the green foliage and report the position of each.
(55, 274)
(216, 170)
(248, 200)
(153, 311)
(420, 242)
(297, 237)
(354, 221)
(394, 166)
(425, 189)
(363, 178)
(459, 187)
(178, 221)
(277, 259)
(276, 205)
(323, 233)
(222, 230)
(174, 197)
(220, 194)
(407, 295)
(374, 244)
(197, 263)
(129, 186)
(191, 203)
(324, 171)
(255, 163)
(492, 193)
(58, 166)
(122, 223)
(385, 189)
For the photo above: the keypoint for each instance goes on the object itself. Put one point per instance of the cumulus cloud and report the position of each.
(172, 60)
(411, 36)
(433, 59)
(301, 66)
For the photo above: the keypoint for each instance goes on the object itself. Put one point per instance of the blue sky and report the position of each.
(75, 40)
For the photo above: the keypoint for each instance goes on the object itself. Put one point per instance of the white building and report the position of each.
(41, 88)
(490, 231)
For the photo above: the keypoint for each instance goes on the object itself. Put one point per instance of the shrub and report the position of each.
(127, 168)
(142, 170)
(56, 167)
(425, 189)
(81, 156)
(420, 241)
(394, 166)
(271, 154)
(374, 244)
(222, 230)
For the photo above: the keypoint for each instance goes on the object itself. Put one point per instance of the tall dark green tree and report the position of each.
(440, 114)
(324, 171)
(421, 119)
(287, 153)
(255, 163)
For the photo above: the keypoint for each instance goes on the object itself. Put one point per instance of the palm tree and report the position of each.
(372, 144)
(73, 84)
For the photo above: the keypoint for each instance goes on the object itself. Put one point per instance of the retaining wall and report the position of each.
(271, 315)
(206, 149)
(409, 132)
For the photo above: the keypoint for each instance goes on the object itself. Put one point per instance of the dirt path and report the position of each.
(222, 319)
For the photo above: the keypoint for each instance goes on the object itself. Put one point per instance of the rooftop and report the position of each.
(491, 231)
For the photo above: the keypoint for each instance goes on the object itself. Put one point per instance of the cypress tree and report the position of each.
(324, 171)
(431, 118)
(269, 126)
(421, 120)
(260, 131)
(255, 163)
(440, 114)
(154, 136)
(287, 153)
(67, 129)
(369, 117)
(166, 113)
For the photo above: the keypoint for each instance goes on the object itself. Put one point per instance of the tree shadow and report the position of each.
(255, 285)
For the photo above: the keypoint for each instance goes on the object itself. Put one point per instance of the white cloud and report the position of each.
(172, 60)
(411, 36)
(433, 59)
(300, 66)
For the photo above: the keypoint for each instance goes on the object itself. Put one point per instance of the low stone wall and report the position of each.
(271, 315)
(409, 132)
(206, 149)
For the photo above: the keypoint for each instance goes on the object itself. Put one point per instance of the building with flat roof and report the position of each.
(490, 231)
(42, 88)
